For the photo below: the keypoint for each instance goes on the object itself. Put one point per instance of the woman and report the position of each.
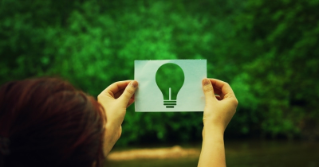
(47, 122)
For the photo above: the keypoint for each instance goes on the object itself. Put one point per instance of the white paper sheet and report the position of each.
(149, 98)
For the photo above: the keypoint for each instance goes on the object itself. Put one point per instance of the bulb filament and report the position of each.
(169, 103)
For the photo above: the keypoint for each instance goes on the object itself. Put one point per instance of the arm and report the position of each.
(115, 99)
(217, 114)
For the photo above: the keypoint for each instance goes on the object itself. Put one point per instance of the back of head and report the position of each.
(49, 123)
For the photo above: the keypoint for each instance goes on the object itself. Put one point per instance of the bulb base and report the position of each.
(169, 103)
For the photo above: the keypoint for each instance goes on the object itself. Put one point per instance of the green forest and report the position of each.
(266, 50)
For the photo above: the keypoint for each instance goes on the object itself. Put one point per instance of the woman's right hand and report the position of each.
(220, 107)
(221, 104)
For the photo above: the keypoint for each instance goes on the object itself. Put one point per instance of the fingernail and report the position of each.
(134, 84)
(205, 81)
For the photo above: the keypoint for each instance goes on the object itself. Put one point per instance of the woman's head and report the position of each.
(50, 123)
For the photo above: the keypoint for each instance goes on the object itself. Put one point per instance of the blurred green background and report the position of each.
(266, 50)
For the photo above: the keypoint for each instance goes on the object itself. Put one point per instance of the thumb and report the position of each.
(208, 91)
(129, 92)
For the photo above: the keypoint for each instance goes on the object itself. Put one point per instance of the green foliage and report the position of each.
(283, 76)
(266, 51)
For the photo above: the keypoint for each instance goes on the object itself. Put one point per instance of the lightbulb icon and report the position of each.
(169, 79)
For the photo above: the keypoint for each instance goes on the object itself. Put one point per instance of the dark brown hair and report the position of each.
(50, 123)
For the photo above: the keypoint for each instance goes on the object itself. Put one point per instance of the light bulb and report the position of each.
(170, 79)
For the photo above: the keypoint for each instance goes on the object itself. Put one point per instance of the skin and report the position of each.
(221, 104)
(218, 112)
(115, 99)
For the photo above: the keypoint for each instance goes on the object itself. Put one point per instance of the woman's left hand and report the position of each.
(115, 99)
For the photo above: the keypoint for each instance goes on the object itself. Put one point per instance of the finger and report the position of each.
(218, 97)
(129, 92)
(208, 90)
(225, 90)
(114, 88)
(131, 101)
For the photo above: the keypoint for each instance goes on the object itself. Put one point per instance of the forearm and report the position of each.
(213, 150)
(111, 136)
